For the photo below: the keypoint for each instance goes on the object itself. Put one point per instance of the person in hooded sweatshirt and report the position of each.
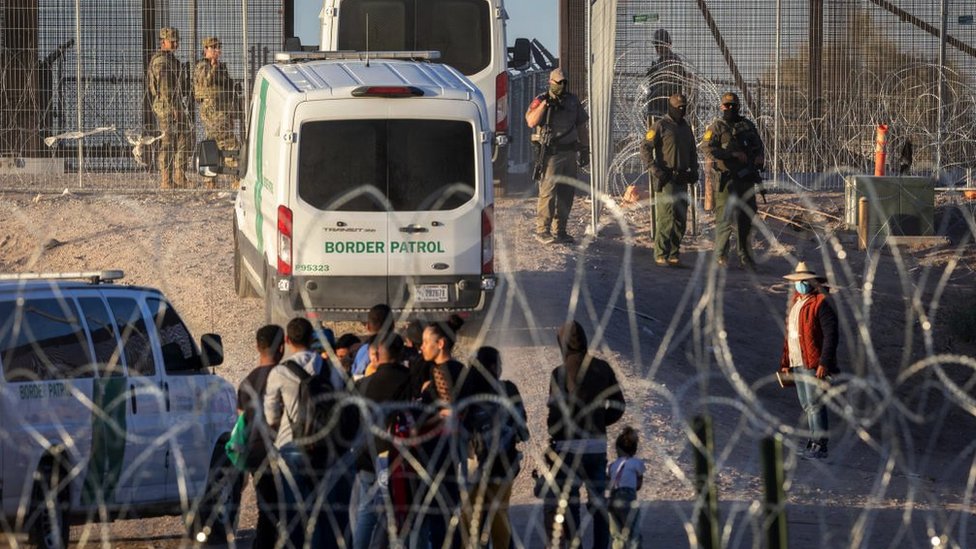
(670, 155)
(584, 398)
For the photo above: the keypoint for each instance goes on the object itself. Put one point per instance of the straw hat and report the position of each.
(802, 272)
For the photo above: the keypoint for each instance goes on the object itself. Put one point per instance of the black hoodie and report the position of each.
(584, 396)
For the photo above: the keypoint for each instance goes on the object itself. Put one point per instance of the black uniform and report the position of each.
(671, 158)
(735, 195)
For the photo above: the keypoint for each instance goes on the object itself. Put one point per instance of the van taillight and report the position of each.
(284, 241)
(487, 242)
(387, 91)
(501, 103)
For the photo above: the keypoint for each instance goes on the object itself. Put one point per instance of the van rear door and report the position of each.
(340, 220)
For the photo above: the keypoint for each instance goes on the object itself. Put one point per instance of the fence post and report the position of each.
(704, 447)
(774, 511)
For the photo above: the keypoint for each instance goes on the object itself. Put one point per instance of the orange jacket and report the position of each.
(818, 334)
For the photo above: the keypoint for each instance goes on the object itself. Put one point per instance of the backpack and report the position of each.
(327, 422)
(494, 433)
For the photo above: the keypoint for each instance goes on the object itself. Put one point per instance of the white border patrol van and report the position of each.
(469, 34)
(108, 407)
(367, 180)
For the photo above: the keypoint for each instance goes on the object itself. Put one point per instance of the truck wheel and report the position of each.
(241, 283)
(214, 520)
(46, 525)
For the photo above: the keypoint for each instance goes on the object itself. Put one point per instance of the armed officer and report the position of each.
(169, 91)
(733, 144)
(670, 156)
(562, 129)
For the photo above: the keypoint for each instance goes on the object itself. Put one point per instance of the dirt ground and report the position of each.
(684, 341)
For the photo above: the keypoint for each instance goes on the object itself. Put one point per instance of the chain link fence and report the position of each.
(74, 105)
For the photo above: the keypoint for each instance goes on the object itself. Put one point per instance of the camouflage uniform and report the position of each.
(167, 89)
(214, 90)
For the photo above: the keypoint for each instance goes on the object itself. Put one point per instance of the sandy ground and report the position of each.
(684, 341)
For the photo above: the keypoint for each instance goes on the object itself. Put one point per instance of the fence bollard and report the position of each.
(708, 537)
(863, 219)
(774, 511)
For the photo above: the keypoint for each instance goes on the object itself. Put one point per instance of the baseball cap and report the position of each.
(169, 33)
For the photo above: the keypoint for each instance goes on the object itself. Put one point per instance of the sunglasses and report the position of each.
(563, 81)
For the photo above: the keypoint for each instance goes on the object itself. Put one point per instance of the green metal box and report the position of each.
(899, 206)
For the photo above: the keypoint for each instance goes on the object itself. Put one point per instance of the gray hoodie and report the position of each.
(281, 395)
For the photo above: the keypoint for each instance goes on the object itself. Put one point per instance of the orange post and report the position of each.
(880, 140)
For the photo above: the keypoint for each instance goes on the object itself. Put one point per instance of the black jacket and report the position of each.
(582, 409)
(389, 389)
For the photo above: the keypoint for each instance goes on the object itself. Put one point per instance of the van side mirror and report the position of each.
(520, 53)
(209, 160)
(212, 350)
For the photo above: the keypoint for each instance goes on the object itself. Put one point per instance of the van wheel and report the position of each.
(214, 520)
(241, 283)
(45, 525)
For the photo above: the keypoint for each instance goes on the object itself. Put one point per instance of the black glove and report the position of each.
(584, 157)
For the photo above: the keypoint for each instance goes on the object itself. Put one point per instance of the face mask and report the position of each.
(676, 113)
(731, 114)
(802, 288)
(557, 89)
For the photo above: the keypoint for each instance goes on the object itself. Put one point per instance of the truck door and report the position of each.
(184, 384)
(146, 461)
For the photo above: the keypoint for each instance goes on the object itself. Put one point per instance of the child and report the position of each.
(626, 475)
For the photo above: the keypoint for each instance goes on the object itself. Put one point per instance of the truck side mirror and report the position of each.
(209, 160)
(212, 350)
(521, 53)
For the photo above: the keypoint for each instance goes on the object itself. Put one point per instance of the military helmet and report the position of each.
(211, 41)
(169, 33)
(730, 99)
(662, 36)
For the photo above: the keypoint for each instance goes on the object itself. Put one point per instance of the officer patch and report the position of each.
(708, 134)
(649, 136)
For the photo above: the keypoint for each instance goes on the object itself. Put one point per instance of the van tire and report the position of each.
(242, 285)
(46, 525)
(219, 505)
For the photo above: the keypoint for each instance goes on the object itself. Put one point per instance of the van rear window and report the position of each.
(381, 165)
(42, 339)
(459, 29)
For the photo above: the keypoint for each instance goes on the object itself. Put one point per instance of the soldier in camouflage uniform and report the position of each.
(169, 90)
(214, 90)
(733, 144)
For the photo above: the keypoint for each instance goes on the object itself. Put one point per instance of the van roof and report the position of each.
(338, 78)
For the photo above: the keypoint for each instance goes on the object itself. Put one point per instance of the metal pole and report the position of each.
(776, 111)
(595, 191)
(774, 512)
(707, 527)
(80, 92)
(247, 68)
(943, 34)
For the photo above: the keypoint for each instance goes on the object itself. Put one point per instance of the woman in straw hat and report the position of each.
(810, 351)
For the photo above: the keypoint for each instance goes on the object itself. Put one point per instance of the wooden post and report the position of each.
(863, 218)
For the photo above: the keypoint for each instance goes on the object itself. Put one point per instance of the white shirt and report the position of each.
(793, 333)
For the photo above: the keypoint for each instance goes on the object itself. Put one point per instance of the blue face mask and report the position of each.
(802, 287)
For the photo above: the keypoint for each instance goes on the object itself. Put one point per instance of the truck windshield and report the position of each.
(386, 165)
(459, 29)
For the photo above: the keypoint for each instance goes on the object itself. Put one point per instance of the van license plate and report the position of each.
(431, 293)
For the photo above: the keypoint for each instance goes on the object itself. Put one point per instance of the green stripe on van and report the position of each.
(259, 144)
(109, 400)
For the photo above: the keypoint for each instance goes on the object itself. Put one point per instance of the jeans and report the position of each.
(292, 483)
(575, 471)
(315, 502)
(809, 391)
(371, 518)
(265, 533)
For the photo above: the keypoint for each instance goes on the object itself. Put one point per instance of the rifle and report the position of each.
(745, 137)
(543, 141)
